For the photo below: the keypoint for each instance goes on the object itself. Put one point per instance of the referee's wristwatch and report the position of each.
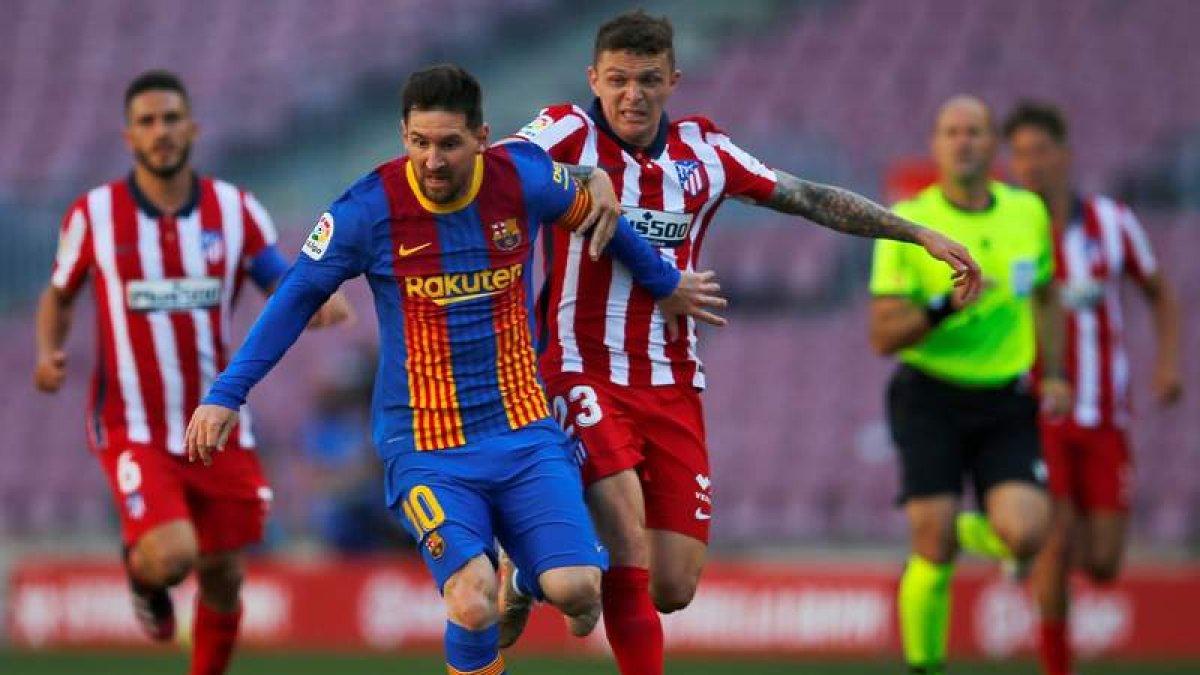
(939, 309)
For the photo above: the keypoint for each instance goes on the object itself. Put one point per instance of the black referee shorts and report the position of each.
(946, 433)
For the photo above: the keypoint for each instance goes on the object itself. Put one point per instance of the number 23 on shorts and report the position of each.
(589, 409)
(423, 510)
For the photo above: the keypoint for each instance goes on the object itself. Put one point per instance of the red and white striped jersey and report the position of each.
(164, 288)
(593, 318)
(1101, 244)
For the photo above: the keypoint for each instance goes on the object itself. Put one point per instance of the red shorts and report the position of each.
(1091, 467)
(227, 502)
(657, 431)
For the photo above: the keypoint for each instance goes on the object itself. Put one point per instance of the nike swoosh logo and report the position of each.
(700, 515)
(442, 302)
(405, 251)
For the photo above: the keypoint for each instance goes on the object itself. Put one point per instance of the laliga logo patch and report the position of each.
(537, 126)
(690, 178)
(506, 234)
(318, 242)
(213, 245)
(435, 545)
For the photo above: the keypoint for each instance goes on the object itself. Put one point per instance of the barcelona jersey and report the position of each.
(452, 285)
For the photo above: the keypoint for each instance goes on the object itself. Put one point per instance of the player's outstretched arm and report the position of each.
(851, 213)
(1164, 310)
(55, 308)
(288, 311)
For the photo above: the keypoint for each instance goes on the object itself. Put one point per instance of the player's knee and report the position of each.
(167, 568)
(576, 593)
(672, 595)
(471, 601)
(1024, 541)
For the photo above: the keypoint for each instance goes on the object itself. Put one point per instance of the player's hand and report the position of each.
(207, 432)
(51, 371)
(1056, 398)
(335, 310)
(967, 275)
(694, 296)
(606, 209)
(1168, 386)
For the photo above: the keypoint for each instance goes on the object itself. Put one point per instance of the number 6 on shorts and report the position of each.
(423, 510)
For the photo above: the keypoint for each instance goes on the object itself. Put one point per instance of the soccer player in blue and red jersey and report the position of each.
(444, 236)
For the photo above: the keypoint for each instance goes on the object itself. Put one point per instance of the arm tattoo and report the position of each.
(838, 209)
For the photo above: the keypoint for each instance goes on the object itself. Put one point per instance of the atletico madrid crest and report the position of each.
(506, 234)
(690, 177)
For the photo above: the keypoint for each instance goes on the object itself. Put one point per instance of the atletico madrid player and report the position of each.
(1098, 244)
(167, 251)
(625, 380)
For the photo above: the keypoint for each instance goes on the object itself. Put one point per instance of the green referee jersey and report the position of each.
(991, 341)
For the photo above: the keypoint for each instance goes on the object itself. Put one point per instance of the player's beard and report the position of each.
(166, 171)
(448, 192)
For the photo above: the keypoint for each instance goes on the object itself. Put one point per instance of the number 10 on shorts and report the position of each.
(423, 510)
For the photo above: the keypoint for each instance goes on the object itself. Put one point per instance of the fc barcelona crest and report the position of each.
(435, 545)
(506, 234)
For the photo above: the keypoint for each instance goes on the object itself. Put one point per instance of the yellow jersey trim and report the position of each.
(457, 204)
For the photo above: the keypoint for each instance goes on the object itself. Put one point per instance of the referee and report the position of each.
(960, 403)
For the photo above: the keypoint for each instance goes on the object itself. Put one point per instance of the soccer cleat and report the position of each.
(514, 605)
(152, 607)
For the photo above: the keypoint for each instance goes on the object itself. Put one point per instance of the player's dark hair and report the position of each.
(1037, 114)
(155, 80)
(637, 32)
(445, 87)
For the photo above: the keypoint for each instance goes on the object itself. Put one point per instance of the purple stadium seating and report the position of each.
(795, 404)
(870, 73)
(272, 58)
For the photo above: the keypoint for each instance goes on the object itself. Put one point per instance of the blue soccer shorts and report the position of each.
(522, 488)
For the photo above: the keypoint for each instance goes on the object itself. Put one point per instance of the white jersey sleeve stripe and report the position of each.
(745, 159)
(70, 249)
(557, 132)
(1139, 243)
(260, 219)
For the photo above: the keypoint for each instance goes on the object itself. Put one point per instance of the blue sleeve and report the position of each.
(267, 268)
(645, 265)
(335, 251)
(557, 199)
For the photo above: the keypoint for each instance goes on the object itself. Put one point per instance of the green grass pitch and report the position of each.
(267, 663)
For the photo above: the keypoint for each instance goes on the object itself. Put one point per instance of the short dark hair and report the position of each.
(444, 87)
(638, 32)
(155, 80)
(1037, 114)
